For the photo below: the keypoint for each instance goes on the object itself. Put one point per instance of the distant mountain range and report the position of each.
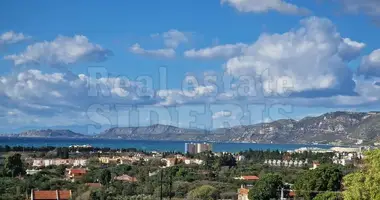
(334, 127)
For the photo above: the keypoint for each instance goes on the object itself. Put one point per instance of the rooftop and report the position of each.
(51, 194)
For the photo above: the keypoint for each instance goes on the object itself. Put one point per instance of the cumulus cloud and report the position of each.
(61, 51)
(261, 6)
(221, 51)
(221, 114)
(310, 60)
(12, 37)
(371, 7)
(349, 50)
(33, 94)
(370, 64)
(199, 94)
(173, 38)
(165, 53)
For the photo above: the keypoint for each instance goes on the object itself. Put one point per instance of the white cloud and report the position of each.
(61, 51)
(12, 37)
(33, 94)
(370, 65)
(223, 51)
(200, 94)
(261, 6)
(173, 38)
(165, 53)
(371, 7)
(349, 49)
(221, 114)
(308, 58)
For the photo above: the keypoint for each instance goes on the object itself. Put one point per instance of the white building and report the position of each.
(194, 148)
(32, 171)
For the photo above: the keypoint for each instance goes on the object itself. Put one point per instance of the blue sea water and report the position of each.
(144, 144)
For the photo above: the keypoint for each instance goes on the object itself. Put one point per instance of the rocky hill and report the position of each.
(335, 127)
(49, 133)
(153, 132)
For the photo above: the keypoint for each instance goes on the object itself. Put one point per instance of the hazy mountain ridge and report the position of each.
(49, 133)
(334, 127)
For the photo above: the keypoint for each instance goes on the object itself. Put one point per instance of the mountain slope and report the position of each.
(334, 127)
(49, 133)
(337, 127)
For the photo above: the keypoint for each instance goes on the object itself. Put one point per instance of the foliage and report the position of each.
(204, 192)
(324, 178)
(14, 166)
(63, 152)
(105, 177)
(364, 184)
(266, 188)
(328, 196)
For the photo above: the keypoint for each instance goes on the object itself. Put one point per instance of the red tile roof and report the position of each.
(77, 171)
(250, 178)
(51, 194)
(292, 194)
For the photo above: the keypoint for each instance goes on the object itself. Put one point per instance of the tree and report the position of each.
(105, 177)
(60, 170)
(328, 196)
(363, 184)
(324, 178)
(204, 192)
(266, 188)
(13, 166)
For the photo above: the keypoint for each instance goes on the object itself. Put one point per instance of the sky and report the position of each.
(93, 65)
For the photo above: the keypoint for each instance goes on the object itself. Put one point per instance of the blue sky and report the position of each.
(252, 61)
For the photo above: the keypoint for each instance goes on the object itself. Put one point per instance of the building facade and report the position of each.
(194, 148)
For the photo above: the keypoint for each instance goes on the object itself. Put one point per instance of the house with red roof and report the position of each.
(74, 174)
(248, 178)
(50, 195)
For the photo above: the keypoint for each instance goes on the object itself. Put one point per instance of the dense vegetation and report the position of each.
(214, 179)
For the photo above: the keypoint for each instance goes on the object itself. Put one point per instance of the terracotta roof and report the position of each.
(51, 194)
(243, 191)
(94, 185)
(77, 171)
(292, 194)
(250, 178)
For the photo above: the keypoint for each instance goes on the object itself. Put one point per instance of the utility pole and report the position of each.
(282, 194)
(170, 187)
(161, 185)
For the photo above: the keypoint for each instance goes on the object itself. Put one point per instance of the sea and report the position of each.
(147, 145)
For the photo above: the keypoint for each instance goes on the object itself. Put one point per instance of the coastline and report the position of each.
(149, 145)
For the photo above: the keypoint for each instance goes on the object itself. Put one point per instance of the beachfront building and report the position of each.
(194, 148)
